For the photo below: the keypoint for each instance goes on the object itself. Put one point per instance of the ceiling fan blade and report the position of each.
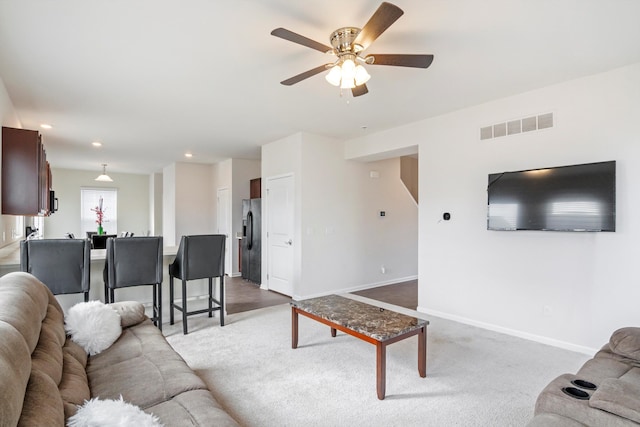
(295, 79)
(416, 61)
(382, 19)
(359, 90)
(297, 38)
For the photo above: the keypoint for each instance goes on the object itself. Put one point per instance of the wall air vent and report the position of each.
(513, 127)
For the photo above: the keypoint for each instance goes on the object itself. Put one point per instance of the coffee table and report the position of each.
(372, 324)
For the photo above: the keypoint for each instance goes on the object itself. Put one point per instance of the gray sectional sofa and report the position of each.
(604, 392)
(45, 375)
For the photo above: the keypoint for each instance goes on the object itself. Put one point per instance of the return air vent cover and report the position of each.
(513, 127)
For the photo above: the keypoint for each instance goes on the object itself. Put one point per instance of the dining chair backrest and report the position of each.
(62, 264)
(133, 261)
(199, 257)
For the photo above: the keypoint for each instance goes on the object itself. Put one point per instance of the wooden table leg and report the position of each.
(294, 328)
(422, 352)
(381, 369)
(333, 332)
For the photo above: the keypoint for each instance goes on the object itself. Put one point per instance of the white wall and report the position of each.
(133, 202)
(155, 203)
(341, 242)
(169, 209)
(8, 223)
(194, 200)
(505, 280)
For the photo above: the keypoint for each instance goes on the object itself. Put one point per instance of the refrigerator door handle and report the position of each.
(250, 231)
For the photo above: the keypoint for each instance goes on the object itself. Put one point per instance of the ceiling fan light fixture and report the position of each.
(348, 69)
(104, 177)
(334, 75)
(361, 76)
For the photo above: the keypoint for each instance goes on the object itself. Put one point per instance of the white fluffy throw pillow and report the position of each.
(93, 325)
(111, 413)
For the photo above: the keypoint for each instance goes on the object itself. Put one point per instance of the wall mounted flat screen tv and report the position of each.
(566, 198)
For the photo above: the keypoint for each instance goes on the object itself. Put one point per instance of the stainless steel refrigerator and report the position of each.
(251, 240)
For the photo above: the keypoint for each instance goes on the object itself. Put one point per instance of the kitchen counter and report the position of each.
(10, 254)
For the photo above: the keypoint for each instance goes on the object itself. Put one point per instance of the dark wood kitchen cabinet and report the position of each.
(255, 188)
(26, 174)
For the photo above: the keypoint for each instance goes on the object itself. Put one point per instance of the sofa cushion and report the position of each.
(553, 400)
(192, 408)
(23, 302)
(140, 356)
(553, 420)
(42, 402)
(74, 387)
(619, 397)
(626, 342)
(131, 312)
(602, 367)
(15, 367)
(47, 356)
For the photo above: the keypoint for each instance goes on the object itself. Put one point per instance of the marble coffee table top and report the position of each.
(378, 323)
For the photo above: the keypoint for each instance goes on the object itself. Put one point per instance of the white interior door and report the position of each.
(224, 225)
(279, 225)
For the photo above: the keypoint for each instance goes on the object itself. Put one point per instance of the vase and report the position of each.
(100, 230)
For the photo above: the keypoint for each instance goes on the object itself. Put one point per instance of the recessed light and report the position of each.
(45, 126)
(96, 144)
(188, 155)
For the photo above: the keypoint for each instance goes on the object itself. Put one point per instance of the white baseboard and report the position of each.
(513, 332)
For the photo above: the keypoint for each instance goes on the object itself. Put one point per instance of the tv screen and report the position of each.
(565, 198)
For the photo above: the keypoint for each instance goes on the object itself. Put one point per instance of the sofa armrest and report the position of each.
(131, 312)
(618, 397)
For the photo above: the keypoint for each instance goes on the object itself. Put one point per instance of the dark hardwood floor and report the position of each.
(404, 294)
(242, 295)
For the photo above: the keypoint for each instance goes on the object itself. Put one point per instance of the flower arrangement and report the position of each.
(99, 215)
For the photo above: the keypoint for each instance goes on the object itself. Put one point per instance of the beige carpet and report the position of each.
(474, 377)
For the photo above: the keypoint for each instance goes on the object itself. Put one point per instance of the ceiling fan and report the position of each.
(348, 45)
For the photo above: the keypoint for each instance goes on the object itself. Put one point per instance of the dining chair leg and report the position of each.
(184, 307)
(171, 300)
(159, 308)
(210, 297)
(86, 296)
(221, 300)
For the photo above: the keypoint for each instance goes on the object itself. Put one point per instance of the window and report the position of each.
(90, 199)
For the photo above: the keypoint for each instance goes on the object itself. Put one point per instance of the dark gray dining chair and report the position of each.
(198, 257)
(135, 261)
(62, 264)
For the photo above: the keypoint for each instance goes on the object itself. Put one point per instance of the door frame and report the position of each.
(228, 265)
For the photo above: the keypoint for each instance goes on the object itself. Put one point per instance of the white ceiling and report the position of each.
(152, 79)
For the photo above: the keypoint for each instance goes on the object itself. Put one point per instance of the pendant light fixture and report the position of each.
(104, 177)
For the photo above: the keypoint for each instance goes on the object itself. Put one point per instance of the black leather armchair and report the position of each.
(135, 261)
(198, 257)
(62, 264)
